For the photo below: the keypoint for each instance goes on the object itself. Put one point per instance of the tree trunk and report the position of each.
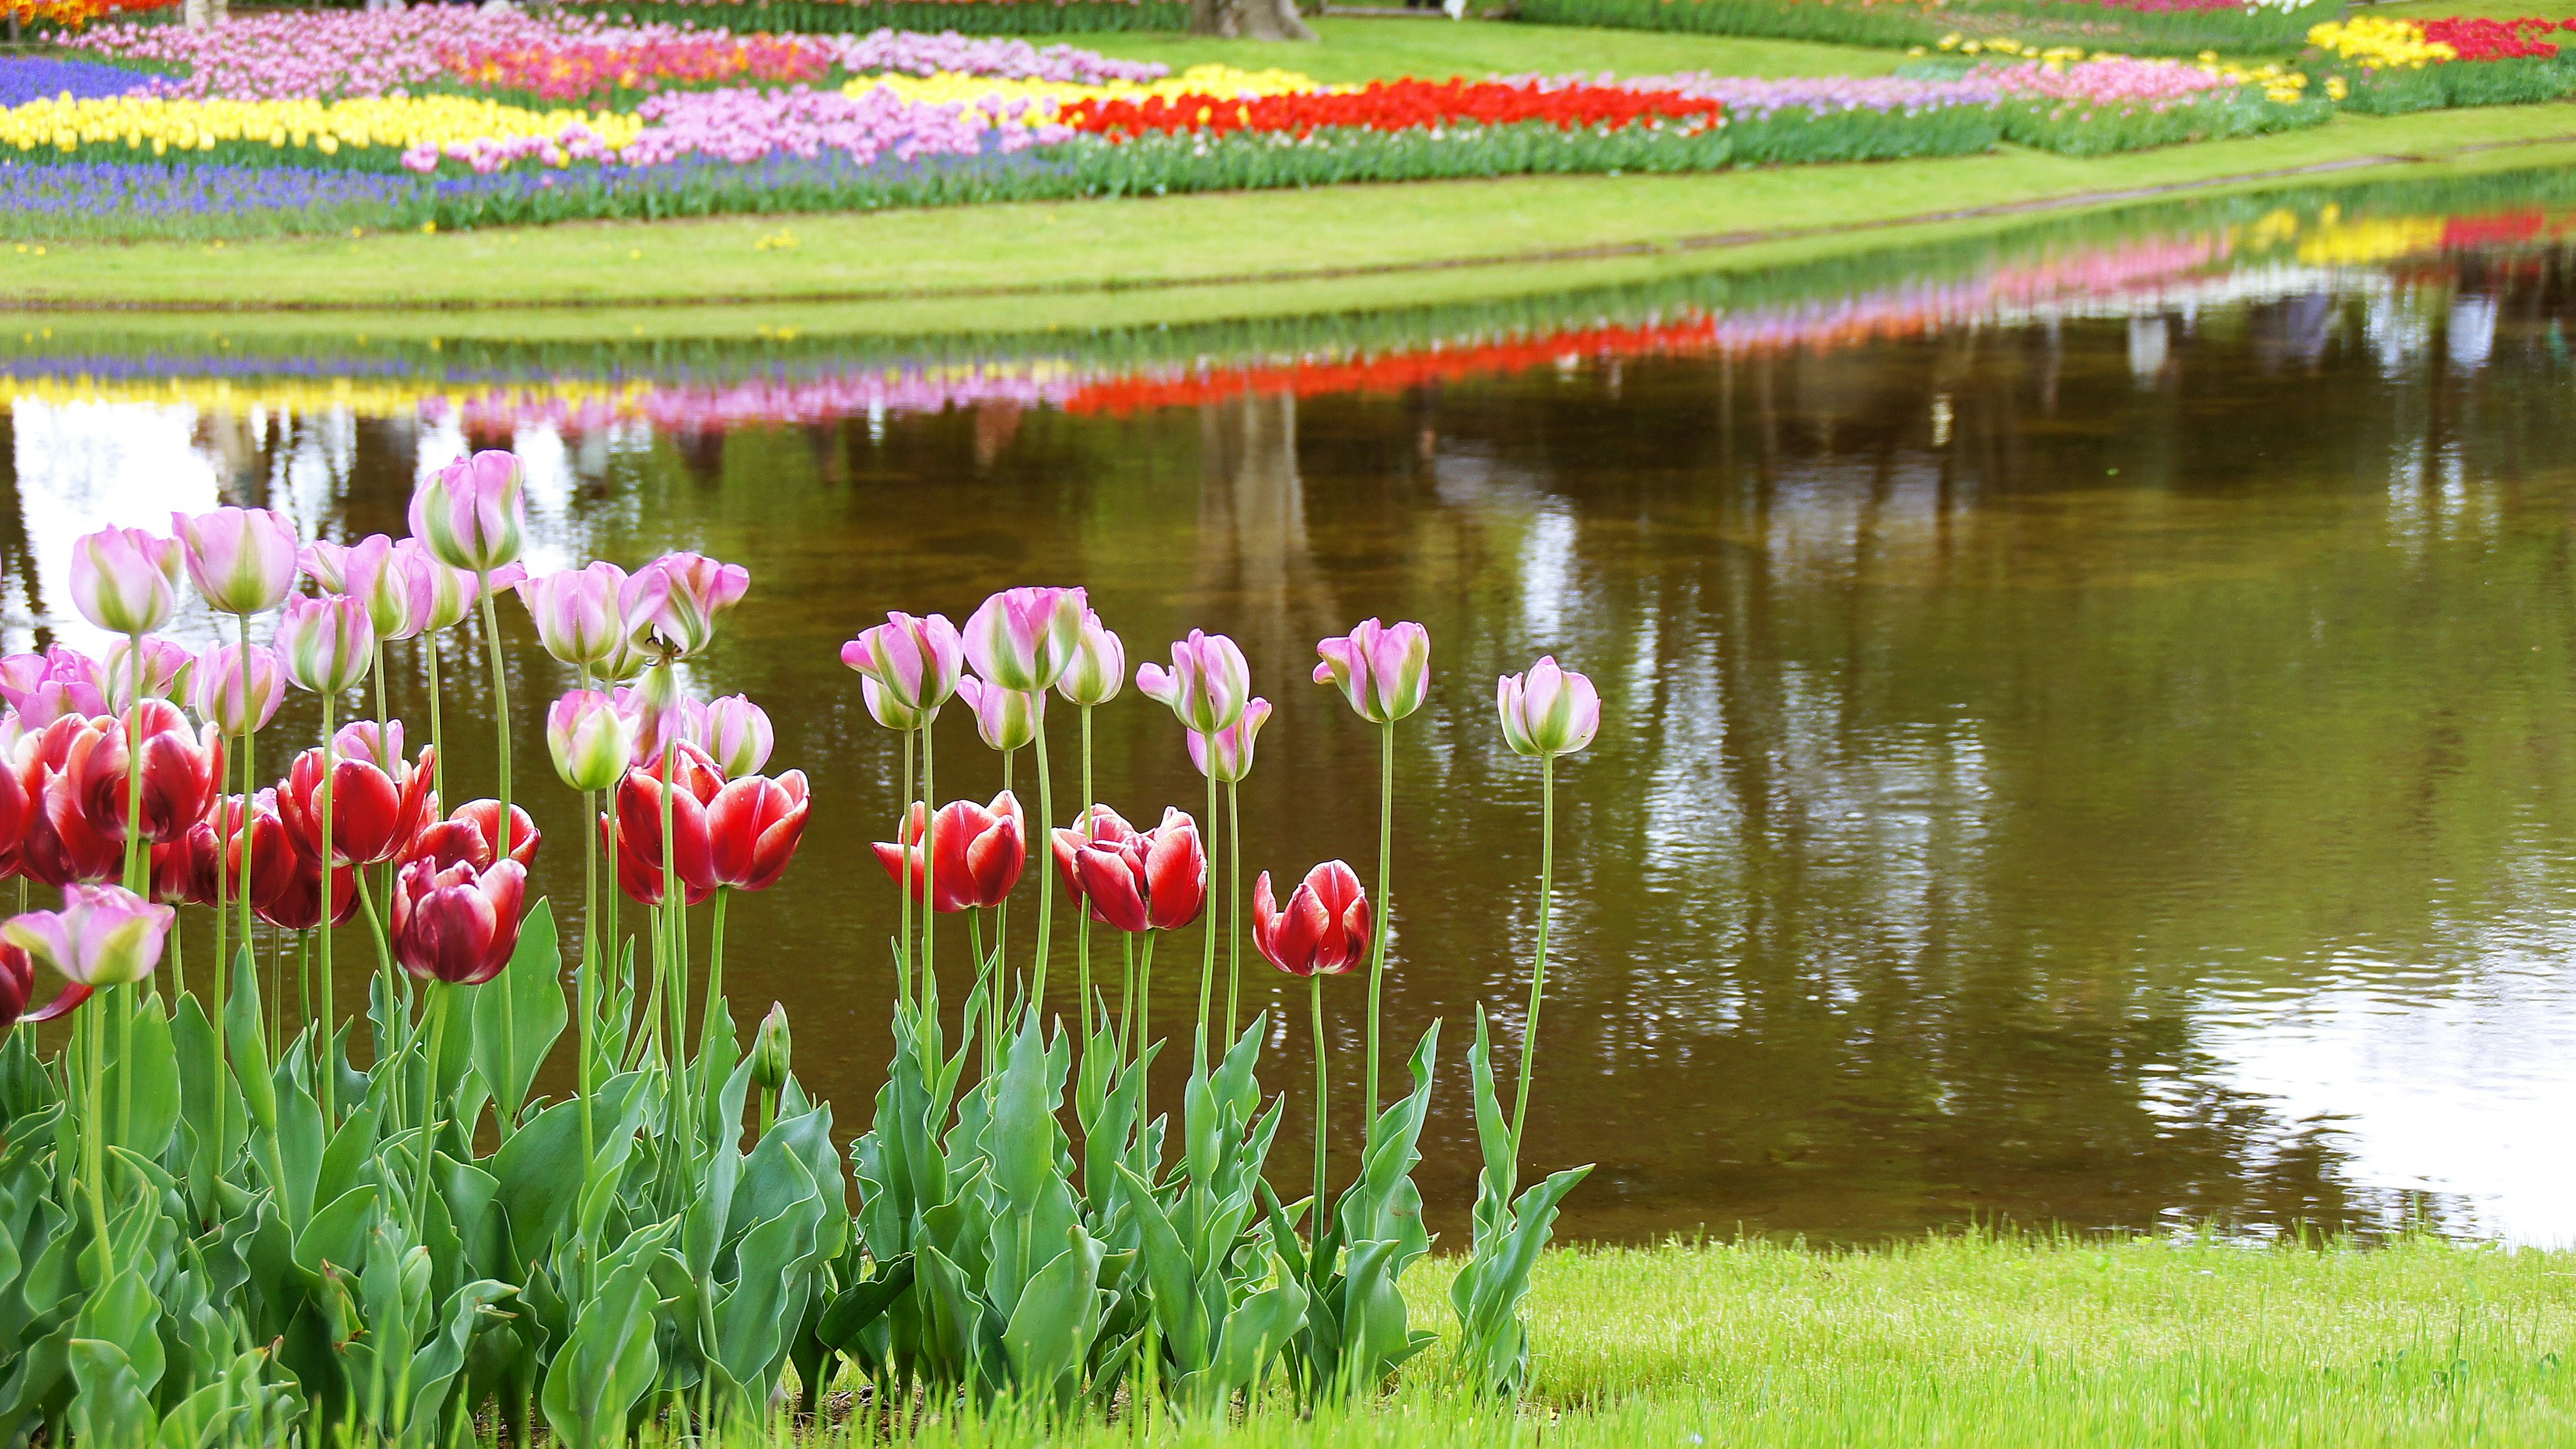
(1249, 19)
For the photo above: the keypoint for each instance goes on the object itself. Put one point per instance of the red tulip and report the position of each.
(455, 924)
(472, 835)
(1325, 928)
(377, 798)
(1154, 880)
(638, 843)
(296, 904)
(179, 771)
(60, 848)
(1107, 827)
(183, 871)
(753, 827)
(18, 987)
(981, 851)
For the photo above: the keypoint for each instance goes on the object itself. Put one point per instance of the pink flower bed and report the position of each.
(742, 126)
(2111, 83)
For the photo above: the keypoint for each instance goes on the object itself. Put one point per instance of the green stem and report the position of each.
(715, 1010)
(983, 979)
(330, 1071)
(95, 1145)
(903, 888)
(674, 946)
(441, 998)
(1144, 1020)
(139, 884)
(1126, 996)
(1315, 1010)
(1002, 908)
(1233, 907)
(1081, 917)
(437, 740)
(586, 985)
(1042, 843)
(384, 950)
(929, 874)
(1538, 973)
(250, 784)
(1207, 962)
(1385, 909)
(500, 704)
(379, 672)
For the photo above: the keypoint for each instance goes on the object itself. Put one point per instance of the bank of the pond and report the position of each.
(1046, 263)
(1996, 1341)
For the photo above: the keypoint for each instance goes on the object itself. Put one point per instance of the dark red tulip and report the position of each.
(18, 987)
(18, 801)
(456, 924)
(1324, 929)
(285, 883)
(981, 851)
(378, 799)
(1107, 827)
(60, 847)
(183, 871)
(1154, 880)
(472, 835)
(638, 843)
(753, 827)
(180, 769)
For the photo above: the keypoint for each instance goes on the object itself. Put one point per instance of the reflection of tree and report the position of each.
(17, 551)
(1252, 546)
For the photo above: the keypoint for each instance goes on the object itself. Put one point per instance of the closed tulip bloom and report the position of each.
(215, 688)
(981, 851)
(59, 846)
(124, 580)
(638, 841)
(378, 799)
(1098, 824)
(1006, 718)
(241, 559)
(1323, 930)
(696, 589)
(19, 799)
(325, 563)
(772, 1048)
(1207, 685)
(1098, 669)
(1548, 711)
(473, 513)
(180, 770)
(585, 615)
(753, 828)
(165, 670)
(45, 687)
(103, 936)
(285, 886)
(472, 835)
(18, 987)
(393, 582)
(913, 664)
(736, 735)
(457, 924)
(590, 738)
(1226, 756)
(452, 590)
(182, 866)
(326, 645)
(1023, 638)
(1384, 672)
(1154, 880)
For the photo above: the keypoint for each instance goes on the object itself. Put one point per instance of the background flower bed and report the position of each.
(2391, 67)
(2153, 27)
(967, 17)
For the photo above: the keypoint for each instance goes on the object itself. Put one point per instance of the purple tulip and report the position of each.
(1383, 672)
(325, 644)
(1006, 718)
(735, 733)
(103, 936)
(1226, 756)
(583, 615)
(165, 665)
(1021, 639)
(124, 580)
(473, 513)
(215, 688)
(591, 739)
(242, 559)
(908, 667)
(1098, 669)
(695, 590)
(44, 687)
(1549, 711)
(1206, 685)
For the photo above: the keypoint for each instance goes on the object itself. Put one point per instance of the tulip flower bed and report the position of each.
(64, 17)
(966, 17)
(384, 1233)
(2390, 67)
(2152, 27)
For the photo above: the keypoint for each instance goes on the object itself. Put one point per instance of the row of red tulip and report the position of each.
(1395, 105)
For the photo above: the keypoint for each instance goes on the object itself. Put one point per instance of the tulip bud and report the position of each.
(394, 584)
(103, 936)
(696, 590)
(590, 738)
(124, 580)
(242, 559)
(215, 688)
(1207, 684)
(912, 663)
(473, 513)
(1383, 672)
(325, 644)
(771, 1050)
(658, 712)
(452, 590)
(1549, 711)
(165, 663)
(1226, 756)
(1023, 638)
(1098, 669)
(1006, 718)
(736, 735)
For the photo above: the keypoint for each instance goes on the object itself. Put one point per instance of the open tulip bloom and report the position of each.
(42, 688)
(585, 615)
(914, 664)
(1207, 686)
(103, 935)
(981, 850)
(1384, 672)
(1136, 880)
(1022, 639)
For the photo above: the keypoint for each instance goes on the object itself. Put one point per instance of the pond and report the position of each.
(2090, 713)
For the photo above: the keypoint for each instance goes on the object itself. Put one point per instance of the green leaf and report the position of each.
(1050, 1333)
(247, 1037)
(519, 1014)
(147, 1076)
(540, 1172)
(337, 1235)
(863, 1302)
(608, 1364)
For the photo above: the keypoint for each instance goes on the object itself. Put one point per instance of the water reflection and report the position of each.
(2090, 709)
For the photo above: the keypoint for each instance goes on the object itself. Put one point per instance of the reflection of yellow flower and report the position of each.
(318, 126)
(2335, 242)
(2379, 43)
(366, 399)
(993, 94)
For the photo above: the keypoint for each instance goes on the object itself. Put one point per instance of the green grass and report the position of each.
(1362, 50)
(1206, 256)
(1990, 1341)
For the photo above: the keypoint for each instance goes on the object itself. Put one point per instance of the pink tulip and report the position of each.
(124, 580)
(103, 936)
(215, 688)
(591, 739)
(326, 645)
(45, 687)
(165, 663)
(1006, 718)
(908, 667)
(1098, 669)
(242, 559)
(1226, 756)
(736, 734)
(1549, 711)
(393, 583)
(1384, 672)
(452, 590)
(697, 589)
(660, 715)
(1021, 639)
(473, 513)
(584, 615)
(1207, 684)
